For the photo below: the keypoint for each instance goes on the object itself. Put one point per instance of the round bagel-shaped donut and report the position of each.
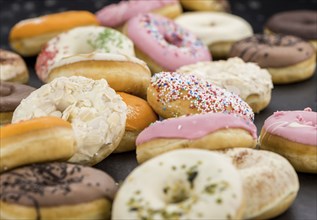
(219, 31)
(208, 131)
(270, 182)
(163, 44)
(56, 191)
(287, 58)
(96, 112)
(293, 135)
(181, 184)
(176, 94)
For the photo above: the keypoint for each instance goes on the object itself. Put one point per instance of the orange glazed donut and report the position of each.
(28, 36)
(36, 140)
(139, 116)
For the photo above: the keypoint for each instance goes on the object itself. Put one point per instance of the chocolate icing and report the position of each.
(272, 50)
(55, 184)
(11, 94)
(301, 23)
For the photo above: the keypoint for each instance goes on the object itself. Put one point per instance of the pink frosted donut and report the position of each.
(115, 15)
(163, 44)
(206, 131)
(293, 134)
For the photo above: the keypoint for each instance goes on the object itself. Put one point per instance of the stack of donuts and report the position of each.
(146, 77)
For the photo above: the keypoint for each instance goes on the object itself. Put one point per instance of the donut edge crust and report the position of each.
(127, 142)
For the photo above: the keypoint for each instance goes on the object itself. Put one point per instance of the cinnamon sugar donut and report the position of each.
(175, 94)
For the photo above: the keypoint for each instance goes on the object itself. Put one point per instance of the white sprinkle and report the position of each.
(179, 127)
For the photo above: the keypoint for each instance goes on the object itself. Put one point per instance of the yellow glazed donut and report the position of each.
(56, 191)
(13, 67)
(96, 112)
(270, 182)
(28, 36)
(181, 184)
(219, 31)
(203, 5)
(36, 140)
(247, 80)
(96, 53)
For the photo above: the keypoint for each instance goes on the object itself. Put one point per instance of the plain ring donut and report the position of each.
(96, 112)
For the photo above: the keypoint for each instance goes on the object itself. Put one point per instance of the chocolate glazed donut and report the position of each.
(52, 186)
(287, 58)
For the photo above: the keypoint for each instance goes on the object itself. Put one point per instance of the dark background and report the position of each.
(295, 96)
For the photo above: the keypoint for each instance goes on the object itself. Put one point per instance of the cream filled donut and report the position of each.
(270, 183)
(13, 67)
(216, 29)
(115, 15)
(247, 80)
(293, 134)
(96, 112)
(163, 44)
(37, 140)
(56, 191)
(209, 131)
(181, 184)
(175, 94)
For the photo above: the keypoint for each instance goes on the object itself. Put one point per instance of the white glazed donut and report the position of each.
(247, 80)
(218, 30)
(181, 184)
(96, 112)
(270, 182)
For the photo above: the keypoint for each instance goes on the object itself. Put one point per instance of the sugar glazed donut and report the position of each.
(247, 80)
(288, 59)
(28, 36)
(219, 31)
(139, 116)
(293, 135)
(37, 140)
(203, 5)
(56, 191)
(97, 53)
(115, 15)
(163, 44)
(13, 67)
(11, 94)
(300, 23)
(181, 184)
(270, 183)
(209, 131)
(96, 112)
(175, 94)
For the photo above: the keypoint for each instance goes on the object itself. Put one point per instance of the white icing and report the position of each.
(212, 27)
(96, 112)
(152, 185)
(234, 75)
(8, 72)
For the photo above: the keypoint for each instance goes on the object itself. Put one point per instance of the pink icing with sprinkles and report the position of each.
(203, 96)
(165, 42)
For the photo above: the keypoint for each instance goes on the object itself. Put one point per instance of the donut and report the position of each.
(13, 67)
(36, 140)
(99, 53)
(247, 80)
(28, 36)
(287, 58)
(270, 183)
(56, 191)
(218, 30)
(203, 5)
(163, 44)
(139, 116)
(206, 131)
(173, 94)
(11, 94)
(96, 112)
(115, 15)
(300, 23)
(181, 184)
(293, 135)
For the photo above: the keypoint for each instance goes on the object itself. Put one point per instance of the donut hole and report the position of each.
(174, 39)
(177, 192)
